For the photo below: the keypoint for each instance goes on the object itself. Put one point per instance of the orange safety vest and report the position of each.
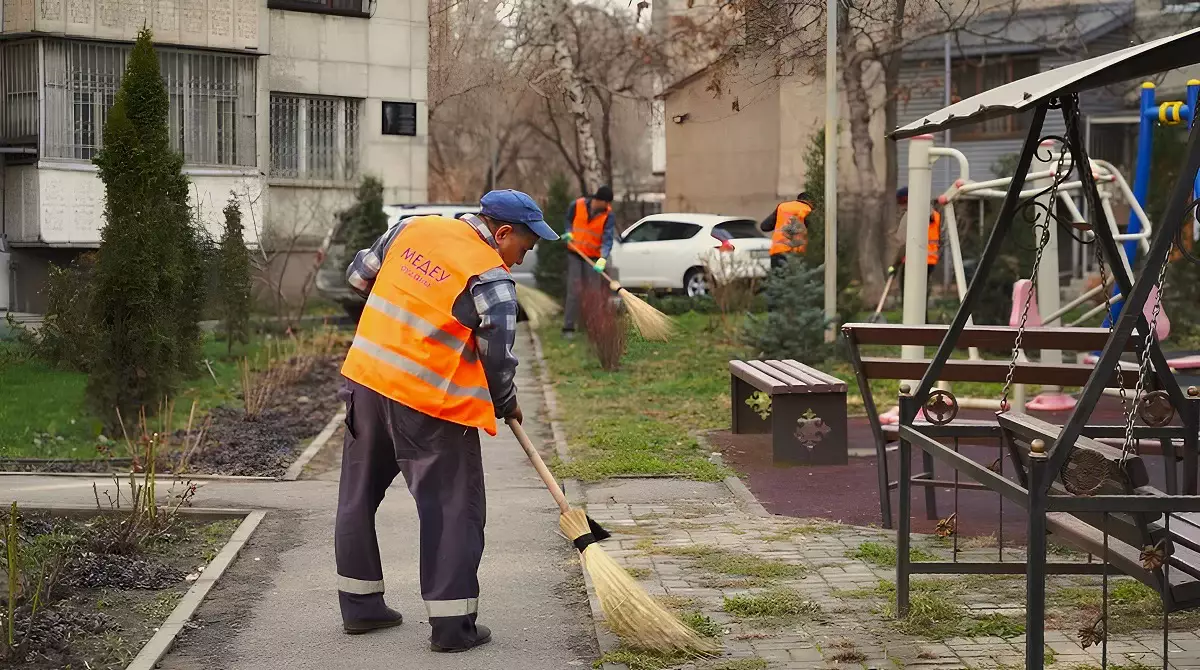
(587, 234)
(784, 241)
(409, 347)
(935, 236)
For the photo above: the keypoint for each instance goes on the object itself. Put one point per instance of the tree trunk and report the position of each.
(891, 83)
(606, 103)
(576, 100)
(870, 214)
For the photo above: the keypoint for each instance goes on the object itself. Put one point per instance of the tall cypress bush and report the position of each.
(364, 221)
(148, 288)
(233, 278)
(551, 270)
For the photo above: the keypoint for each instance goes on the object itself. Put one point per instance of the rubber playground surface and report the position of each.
(850, 493)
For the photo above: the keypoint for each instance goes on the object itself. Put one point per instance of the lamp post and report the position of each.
(831, 156)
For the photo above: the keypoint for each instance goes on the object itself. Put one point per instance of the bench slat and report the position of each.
(1031, 428)
(755, 377)
(790, 382)
(834, 382)
(985, 337)
(1063, 374)
(810, 382)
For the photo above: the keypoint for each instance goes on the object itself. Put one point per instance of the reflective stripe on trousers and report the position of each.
(446, 608)
(359, 587)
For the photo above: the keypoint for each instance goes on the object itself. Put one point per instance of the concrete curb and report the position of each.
(734, 483)
(125, 475)
(158, 645)
(297, 467)
(605, 639)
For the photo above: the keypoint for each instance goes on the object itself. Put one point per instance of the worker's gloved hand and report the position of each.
(567, 237)
(891, 269)
(516, 414)
(600, 265)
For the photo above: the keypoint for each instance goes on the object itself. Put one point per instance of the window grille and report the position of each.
(314, 138)
(211, 114)
(18, 93)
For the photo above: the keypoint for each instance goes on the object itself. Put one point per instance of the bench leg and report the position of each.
(1035, 568)
(1191, 443)
(745, 420)
(885, 491)
(809, 429)
(1167, 446)
(903, 525)
(931, 512)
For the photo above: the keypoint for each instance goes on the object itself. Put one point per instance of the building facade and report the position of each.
(282, 104)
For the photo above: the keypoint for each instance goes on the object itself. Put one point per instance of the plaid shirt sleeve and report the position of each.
(494, 294)
(364, 268)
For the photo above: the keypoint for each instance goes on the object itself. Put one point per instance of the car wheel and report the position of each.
(695, 284)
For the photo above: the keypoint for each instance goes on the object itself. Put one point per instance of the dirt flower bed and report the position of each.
(282, 407)
(89, 592)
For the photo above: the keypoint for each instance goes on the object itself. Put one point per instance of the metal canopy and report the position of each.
(1135, 62)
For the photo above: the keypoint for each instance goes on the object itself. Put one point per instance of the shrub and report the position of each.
(233, 279)
(148, 288)
(365, 221)
(794, 326)
(551, 270)
(849, 299)
(65, 338)
(605, 325)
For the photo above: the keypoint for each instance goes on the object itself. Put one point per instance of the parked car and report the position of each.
(670, 251)
(331, 275)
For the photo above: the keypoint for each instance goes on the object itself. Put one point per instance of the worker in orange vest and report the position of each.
(590, 229)
(933, 244)
(789, 228)
(431, 364)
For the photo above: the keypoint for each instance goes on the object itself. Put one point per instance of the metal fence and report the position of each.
(314, 137)
(211, 117)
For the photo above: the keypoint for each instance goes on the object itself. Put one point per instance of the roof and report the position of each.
(705, 220)
(1062, 28)
(1136, 62)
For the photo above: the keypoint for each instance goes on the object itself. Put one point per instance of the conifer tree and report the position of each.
(233, 278)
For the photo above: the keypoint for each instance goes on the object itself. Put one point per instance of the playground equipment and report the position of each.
(1096, 498)
(1050, 165)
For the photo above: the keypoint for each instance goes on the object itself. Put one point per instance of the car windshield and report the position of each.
(738, 230)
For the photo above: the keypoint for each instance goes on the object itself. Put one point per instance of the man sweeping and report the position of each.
(431, 364)
(590, 228)
(788, 227)
(933, 239)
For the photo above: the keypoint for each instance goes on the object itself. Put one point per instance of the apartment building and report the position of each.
(285, 104)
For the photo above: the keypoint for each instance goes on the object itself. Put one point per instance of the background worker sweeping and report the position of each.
(788, 228)
(934, 233)
(431, 364)
(590, 229)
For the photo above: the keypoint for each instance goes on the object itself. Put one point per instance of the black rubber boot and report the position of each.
(483, 635)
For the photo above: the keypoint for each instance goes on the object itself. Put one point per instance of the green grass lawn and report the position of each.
(637, 420)
(43, 412)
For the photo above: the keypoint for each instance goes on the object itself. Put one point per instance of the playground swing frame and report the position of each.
(1041, 93)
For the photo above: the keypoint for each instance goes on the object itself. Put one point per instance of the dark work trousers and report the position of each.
(580, 275)
(443, 466)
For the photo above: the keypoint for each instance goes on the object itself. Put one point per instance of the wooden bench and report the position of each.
(1096, 469)
(995, 338)
(807, 418)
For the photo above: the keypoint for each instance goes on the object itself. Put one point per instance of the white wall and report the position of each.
(381, 59)
(64, 205)
(218, 24)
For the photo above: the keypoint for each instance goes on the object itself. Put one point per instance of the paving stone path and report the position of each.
(690, 551)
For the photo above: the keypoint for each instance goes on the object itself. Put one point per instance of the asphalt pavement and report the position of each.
(276, 606)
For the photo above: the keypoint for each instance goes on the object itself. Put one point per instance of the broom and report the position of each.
(639, 620)
(537, 304)
(651, 323)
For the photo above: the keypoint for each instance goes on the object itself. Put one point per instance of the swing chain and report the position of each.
(1112, 324)
(1043, 240)
(1144, 368)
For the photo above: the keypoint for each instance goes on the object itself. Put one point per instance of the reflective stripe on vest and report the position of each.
(409, 347)
(791, 231)
(587, 234)
(935, 239)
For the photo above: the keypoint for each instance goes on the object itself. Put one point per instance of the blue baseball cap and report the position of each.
(512, 206)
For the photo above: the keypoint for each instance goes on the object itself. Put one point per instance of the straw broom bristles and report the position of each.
(650, 323)
(637, 618)
(537, 304)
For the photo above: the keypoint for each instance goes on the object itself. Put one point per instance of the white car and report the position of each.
(672, 251)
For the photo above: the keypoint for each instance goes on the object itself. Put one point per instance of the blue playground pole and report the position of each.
(1193, 99)
(1147, 118)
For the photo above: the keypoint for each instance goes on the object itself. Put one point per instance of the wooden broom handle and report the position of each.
(542, 470)
(584, 256)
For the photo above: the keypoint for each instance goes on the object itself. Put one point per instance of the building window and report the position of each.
(360, 8)
(19, 93)
(211, 116)
(973, 77)
(399, 118)
(314, 137)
